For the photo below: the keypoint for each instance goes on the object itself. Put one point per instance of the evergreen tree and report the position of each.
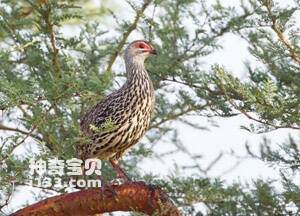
(49, 78)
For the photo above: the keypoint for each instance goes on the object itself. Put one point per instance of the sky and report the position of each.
(209, 143)
(227, 136)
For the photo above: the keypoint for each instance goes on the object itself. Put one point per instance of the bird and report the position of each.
(129, 110)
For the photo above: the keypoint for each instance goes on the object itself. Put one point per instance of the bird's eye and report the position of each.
(141, 46)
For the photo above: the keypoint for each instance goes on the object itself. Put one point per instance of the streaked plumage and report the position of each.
(129, 109)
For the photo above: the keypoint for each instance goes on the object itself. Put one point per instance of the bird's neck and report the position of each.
(136, 71)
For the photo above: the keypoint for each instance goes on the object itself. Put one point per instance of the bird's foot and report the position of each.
(116, 181)
(107, 190)
(106, 187)
(123, 176)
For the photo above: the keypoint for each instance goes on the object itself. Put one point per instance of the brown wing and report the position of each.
(110, 108)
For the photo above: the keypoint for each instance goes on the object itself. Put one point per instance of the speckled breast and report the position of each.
(131, 124)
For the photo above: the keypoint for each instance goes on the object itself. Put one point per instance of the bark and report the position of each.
(135, 196)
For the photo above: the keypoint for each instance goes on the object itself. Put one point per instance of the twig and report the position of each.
(125, 36)
(6, 128)
(175, 116)
(9, 195)
(211, 91)
(280, 34)
(40, 99)
(150, 26)
(8, 153)
(29, 134)
(246, 113)
(214, 161)
(52, 39)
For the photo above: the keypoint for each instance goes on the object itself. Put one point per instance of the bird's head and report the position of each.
(138, 51)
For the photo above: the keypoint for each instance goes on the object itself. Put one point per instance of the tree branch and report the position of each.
(126, 34)
(40, 99)
(27, 135)
(52, 38)
(136, 196)
(6, 128)
(206, 88)
(246, 113)
(175, 116)
(280, 35)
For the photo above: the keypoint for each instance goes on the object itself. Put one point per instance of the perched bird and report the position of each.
(129, 110)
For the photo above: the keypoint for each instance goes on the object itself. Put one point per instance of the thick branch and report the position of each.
(136, 196)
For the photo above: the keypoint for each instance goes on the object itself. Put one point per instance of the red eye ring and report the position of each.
(142, 46)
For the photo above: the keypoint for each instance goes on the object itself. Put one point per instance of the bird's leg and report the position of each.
(122, 174)
(104, 185)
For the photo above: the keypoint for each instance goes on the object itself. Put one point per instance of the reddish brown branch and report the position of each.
(136, 196)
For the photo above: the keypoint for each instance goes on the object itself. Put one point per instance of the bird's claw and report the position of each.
(124, 177)
(115, 182)
(109, 188)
